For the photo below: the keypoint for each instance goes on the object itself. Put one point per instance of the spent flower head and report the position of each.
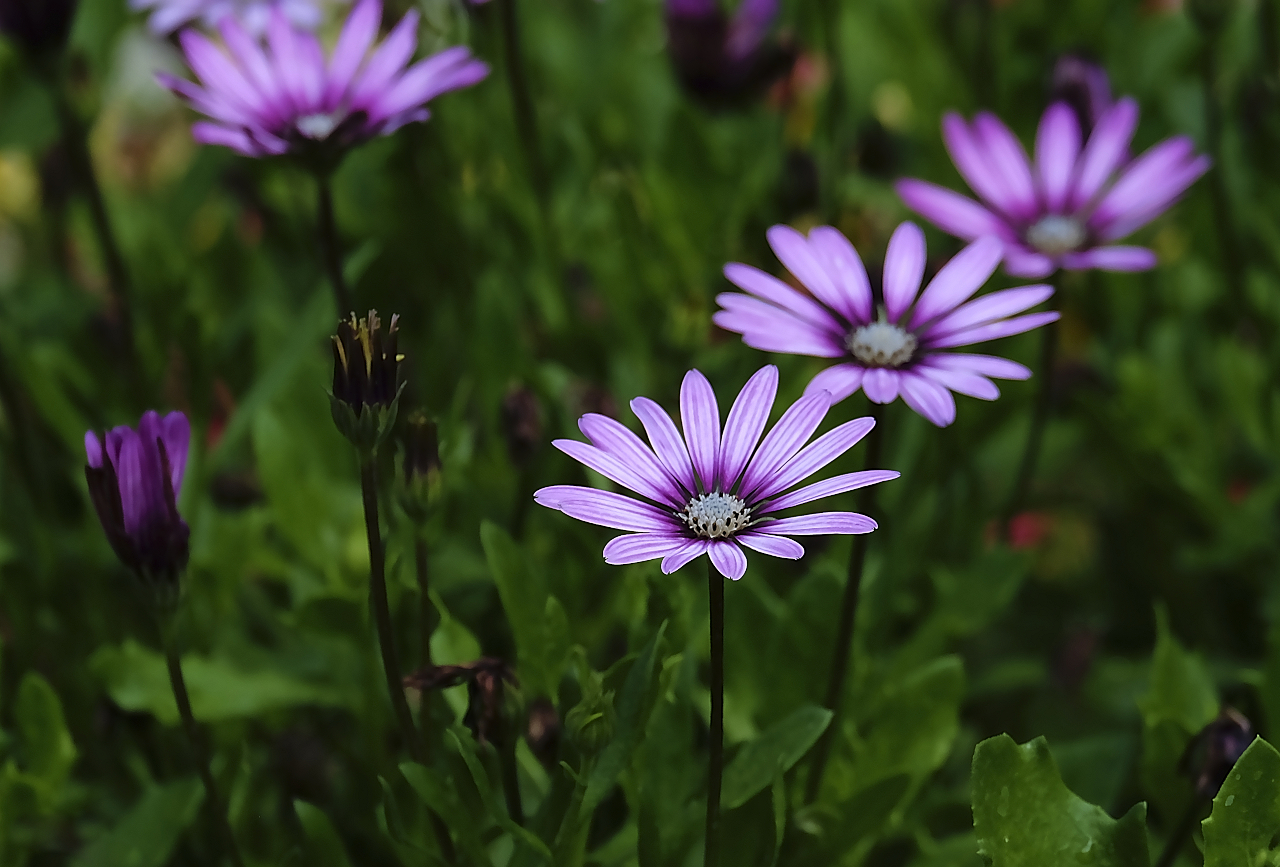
(168, 16)
(710, 492)
(893, 349)
(134, 477)
(366, 380)
(1068, 208)
(285, 98)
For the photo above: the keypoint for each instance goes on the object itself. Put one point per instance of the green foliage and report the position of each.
(1023, 814)
(324, 847)
(146, 835)
(758, 763)
(1242, 829)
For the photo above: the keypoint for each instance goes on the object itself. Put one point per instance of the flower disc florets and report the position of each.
(883, 344)
(1056, 235)
(366, 380)
(716, 516)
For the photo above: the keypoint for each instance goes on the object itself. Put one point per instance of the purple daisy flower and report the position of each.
(714, 493)
(287, 99)
(134, 477)
(254, 15)
(897, 352)
(1067, 209)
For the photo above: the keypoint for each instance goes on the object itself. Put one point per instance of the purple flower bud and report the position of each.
(1083, 85)
(1213, 752)
(37, 26)
(721, 61)
(134, 477)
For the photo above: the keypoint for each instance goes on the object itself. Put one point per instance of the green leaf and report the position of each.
(434, 789)
(461, 739)
(49, 750)
(1246, 812)
(324, 846)
(1023, 813)
(137, 679)
(145, 837)
(758, 762)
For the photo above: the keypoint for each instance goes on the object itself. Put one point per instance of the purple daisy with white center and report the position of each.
(1067, 209)
(288, 99)
(896, 350)
(168, 16)
(714, 493)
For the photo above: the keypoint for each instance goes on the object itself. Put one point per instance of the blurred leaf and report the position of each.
(1023, 814)
(27, 117)
(145, 837)
(461, 739)
(775, 751)
(1246, 812)
(46, 742)
(435, 790)
(851, 824)
(324, 846)
(137, 679)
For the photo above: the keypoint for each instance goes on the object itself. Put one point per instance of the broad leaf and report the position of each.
(758, 762)
(46, 742)
(1246, 812)
(324, 846)
(145, 837)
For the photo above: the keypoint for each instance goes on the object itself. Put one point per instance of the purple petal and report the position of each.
(964, 382)
(175, 433)
(1028, 264)
(816, 455)
(790, 433)
(957, 280)
(666, 441)
(820, 524)
(692, 550)
(986, 365)
(747, 418)
(774, 546)
(358, 33)
(728, 559)
(988, 308)
(615, 439)
(841, 261)
(950, 211)
(386, 62)
(639, 547)
(972, 163)
(1111, 259)
(248, 54)
(93, 450)
(880, 384)
(1145, 179)
(773, 329)
(1007, 156)
(222, 79)
(749, 26)
(221, 136)
(700, 416)
(657, 489)
(798, 256)
(773, 290)
(448, 70)
(839, 381)
(1143, 206)
(828, 488)
(928, 398)
(141, 483)
(994, 330)
(1105, 152)
(903, 269)
(606, 509)
(1057, 148)
(290, 64)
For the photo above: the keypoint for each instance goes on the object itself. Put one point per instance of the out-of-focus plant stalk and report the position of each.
(1182, 831)
(1039, 415)
(1223, 218)
(715, 745)
(329, 249)
(522, 103)
(201, 756)
(839, 671)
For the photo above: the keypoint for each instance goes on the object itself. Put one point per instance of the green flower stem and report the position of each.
(329, 249)
(199, 753)
(839, 671)
(522, 100)
(1223, 217)
(715, 747)
(422, 564)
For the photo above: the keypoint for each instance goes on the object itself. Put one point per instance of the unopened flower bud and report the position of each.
(421, 466)
(722, 61)
(592, 720)
(542, 731)
(134, 477)
(1213, 752)
(37, 26)
(366, 381)
(521, 424)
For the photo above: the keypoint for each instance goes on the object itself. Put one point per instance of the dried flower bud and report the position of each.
(521, 424)
(37, 26)
(134, 477)
(421, 466)
(542, 731)
(592, 720)
(484, 679)
(1213, 752)
(366, 380)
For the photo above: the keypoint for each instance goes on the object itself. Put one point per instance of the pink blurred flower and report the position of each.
(254, 15)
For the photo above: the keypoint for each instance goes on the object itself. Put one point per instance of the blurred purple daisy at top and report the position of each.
(897, 350)
(1067, 209)
(714, 492)
(168, 16)
(287, 99)
(722, 60)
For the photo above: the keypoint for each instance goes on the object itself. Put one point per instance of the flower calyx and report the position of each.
(366, 381)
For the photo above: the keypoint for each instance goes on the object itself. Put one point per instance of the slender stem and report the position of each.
(382, 611)
(1228, 239)
(848, 617)
(425, 609)
(329, 249)
(1181, 832)
(715, 748)
(522, 100)
(511, 773)
(199, 752)
(1039, 420)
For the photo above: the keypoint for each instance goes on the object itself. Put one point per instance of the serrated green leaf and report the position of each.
(145, 837)
(324, 846)
(758, 762)
(1023, 814)
(1246, 811)
(46, 742)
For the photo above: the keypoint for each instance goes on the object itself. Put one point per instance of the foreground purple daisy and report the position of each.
(288, 99)
(897, 352)
(714, 493)
(168, 16)
(134, 477)
(1067, 209)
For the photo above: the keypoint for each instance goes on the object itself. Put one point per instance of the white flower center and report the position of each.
(715, 516)
(1054, 235)
(318, 126)
(882, 344)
